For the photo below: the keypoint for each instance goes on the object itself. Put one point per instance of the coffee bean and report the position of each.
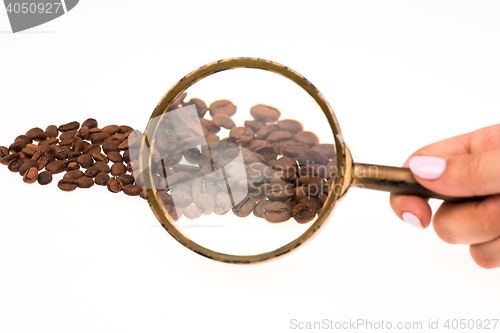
(30, 149)
(290, 125)
(34, 131)
(291, 149)
(40, 137)
(279, 136)
(132, 190)
(49, 142)
(74, 125)
(15, 165)
(92, 172)
(254, 125)
(52, 131)
(85, 182)
(94, 148)
(59, 152)
(126, 179)
(327, 149)
(100, 157)
(205, 203)
(115, 157)
(264, 132)
(280, 193)
(191, 212)
(29, 163)
(115, 185)
(307, 138)
(98, 136)
(118, 169)
(223, 120)
(276, 212)
(67, 185)
(83, 133)
(85, 161)
(101, 167)
(304, 213)
(222, 203)
(102, 179)
(174, 212)
(26, 139)
(257, 211)
(201, 107)
(44, 178)
(90, 123)
(110, 146)
(73, 174)
(182, 198)
(4, 151)
(312, 157)
(6, 159)
(72, 165)
(17, 146)
(260, 192)
(111, 129)
(125, 129)
(210, 126)
(265, 113)
(68, 135)
(31, 175)
(222, 106)
(241, 135)
(245, 207)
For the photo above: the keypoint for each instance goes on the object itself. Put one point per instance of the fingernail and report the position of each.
(427, 167)
(412, 219)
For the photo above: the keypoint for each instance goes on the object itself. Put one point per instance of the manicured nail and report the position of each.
(412, 219)
(427, 167)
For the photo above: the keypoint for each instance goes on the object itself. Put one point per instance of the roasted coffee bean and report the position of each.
(264, 132)
(115, 157)
(210, 126)
(94, 148)
(126, 156)
(312, 157)
(17, 146)
(175, 212)
(26, 139)
(126, 179)
(98, 136)
(29, 163)
(182, 199)
(85, 161)
(222, 106)
(125, 129)
(244, 207)
(291, 149)
(256, 144)
(30, 176)
(72, 165)
(304, 212)
(111, 129)
(40, 137)
(132, 190)
(276, 212)
(280, 193)
(241, 135)
(83, 133)
(279, 136)
(92, 172)
(101, 166)
(257, 211)
(68, 135)
(115, 185)
(118, 169)
(30, 149)
(102, 179)
(52, 131)
(44, 178)
(85, 182)
(222, 203)
(49, 142)
(59, 152)
(100, 157)
(90, 123)
(205, 203)
(42, 159)
(74, 125)
(4, 151)
(254, 125)
(110, 146)
(223, 120)
(202, 186)
(67, 185)
(15, 165)
(260, 192)
(307, 138)
(265, 113)
(191, 212)
(77, 145)
(290, 125)
(201, 107)
(34, 131)
(6, 159)
(327, 149)
(73, 174)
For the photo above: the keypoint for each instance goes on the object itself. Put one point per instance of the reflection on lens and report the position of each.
(246, 179)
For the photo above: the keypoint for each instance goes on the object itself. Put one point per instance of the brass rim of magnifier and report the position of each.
(343, 155)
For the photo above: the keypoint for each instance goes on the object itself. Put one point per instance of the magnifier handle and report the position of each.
(394, 180)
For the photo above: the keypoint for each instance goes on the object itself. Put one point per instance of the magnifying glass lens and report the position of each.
(242, 162)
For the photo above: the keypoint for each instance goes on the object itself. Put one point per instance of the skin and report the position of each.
(472, 169)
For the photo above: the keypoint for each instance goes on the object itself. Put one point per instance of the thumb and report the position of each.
(460, 176)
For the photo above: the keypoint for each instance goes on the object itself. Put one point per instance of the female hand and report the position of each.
(464, 166)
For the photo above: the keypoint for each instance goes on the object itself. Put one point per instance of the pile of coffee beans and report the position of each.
(268, 166)
(285, 172)
(84, 153)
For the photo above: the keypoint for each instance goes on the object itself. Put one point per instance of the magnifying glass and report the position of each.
(243, 160)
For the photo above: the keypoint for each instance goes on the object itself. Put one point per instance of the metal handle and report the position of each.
(394, 180)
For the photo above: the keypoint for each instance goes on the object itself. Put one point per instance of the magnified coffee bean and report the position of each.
(205, 203)
(241, 135)
(254, 125)
(222, 106)
(290, 125)
(264, 132)
(281, 193)
(312, 157)
(245, 207)
(258, 209)
(265, 113)
(44, 178)
(304, 213)
(276, 212)
(223, 120)
(192, 212)
(307, 138)
(279, 136)
(222, 203)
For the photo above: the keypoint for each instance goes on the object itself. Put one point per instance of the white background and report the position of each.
(399, 74)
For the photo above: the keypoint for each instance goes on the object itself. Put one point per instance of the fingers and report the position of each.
(460, 176)
(469, 222)
(486, 255)
(413, 210)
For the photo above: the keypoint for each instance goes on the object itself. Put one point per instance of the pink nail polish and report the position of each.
(412, 219)
(427, 167)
